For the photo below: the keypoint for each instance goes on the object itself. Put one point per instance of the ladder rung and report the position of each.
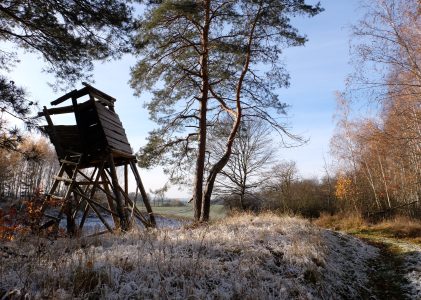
(55, 197)
(51, 217)
(63, 179)
(68, 162)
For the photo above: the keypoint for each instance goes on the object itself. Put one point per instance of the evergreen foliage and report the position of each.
(67, 34)
(204, 61)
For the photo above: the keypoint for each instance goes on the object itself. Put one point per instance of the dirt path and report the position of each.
(396, 272)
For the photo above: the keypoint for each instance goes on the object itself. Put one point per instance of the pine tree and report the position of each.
(204, 60)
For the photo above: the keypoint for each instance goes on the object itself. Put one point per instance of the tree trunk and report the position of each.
(384, 182)
(371, 182)
(243, 190)
(200, 162)
(210, 182)
(217, 167)
(201, 152)
(243, 206)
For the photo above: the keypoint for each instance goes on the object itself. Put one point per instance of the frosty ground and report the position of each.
(245, 256)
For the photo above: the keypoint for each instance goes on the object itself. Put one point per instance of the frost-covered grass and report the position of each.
(412, 272)
(244, 256)
(400, 240)
(407, 263)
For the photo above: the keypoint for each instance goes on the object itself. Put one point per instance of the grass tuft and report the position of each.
(88, 281)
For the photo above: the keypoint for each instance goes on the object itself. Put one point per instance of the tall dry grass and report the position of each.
(398, 226)
(401, 227)
(342, 221)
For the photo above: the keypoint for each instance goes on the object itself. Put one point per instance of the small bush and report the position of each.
(176, 203)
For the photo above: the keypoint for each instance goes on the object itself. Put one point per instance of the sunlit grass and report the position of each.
(398, 227)
(244, 256)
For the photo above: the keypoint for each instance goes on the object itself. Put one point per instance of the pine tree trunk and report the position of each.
(200, 163)
(210, 182)
(201, 155)
(217, 167)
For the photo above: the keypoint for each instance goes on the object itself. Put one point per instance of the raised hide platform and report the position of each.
(89, 153)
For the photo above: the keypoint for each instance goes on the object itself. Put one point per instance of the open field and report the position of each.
(186, 212)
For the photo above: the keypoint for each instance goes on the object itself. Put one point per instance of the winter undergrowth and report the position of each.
(244, 256)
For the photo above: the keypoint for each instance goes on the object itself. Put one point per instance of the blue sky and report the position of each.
(317, 71)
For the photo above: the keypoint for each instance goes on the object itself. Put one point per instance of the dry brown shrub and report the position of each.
(342, 221)
(400, 226)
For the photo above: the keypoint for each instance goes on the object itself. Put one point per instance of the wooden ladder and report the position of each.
(67, 173)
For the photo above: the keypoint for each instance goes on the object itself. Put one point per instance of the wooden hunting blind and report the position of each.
(89, 153)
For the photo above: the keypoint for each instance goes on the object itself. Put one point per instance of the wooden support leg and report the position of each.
(119, 202)
(86, 207)
(143, 193)
(110, 199)
(81, 193)
(126, 181)
(68, 210)
(135, 211)
(84, 216)
(92, 194)
(91, 203)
